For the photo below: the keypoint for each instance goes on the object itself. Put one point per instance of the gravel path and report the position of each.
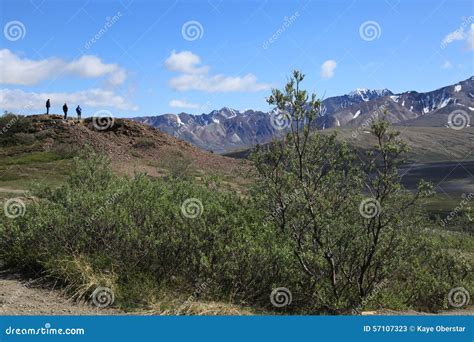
(17, 297)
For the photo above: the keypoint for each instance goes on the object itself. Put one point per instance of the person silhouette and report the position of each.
(79, 112)
(65, 111)
(48, 105)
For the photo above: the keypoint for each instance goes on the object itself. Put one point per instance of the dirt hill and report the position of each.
(44, 144)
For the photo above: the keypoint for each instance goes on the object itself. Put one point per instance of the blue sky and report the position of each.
(155, 57)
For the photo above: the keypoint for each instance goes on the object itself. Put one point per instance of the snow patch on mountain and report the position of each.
(178, 121)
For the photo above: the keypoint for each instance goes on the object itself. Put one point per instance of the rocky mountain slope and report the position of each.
(227, 129)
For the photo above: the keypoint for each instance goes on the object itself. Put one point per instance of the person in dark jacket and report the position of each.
(79, 112)
(48, 105)
(65, 111)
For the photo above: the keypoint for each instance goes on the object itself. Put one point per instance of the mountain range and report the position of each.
(228, 129)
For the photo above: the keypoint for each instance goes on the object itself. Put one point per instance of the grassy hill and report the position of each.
(428, 144)
(41, 147)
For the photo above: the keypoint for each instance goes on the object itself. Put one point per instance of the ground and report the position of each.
(19, 296)
(22, 297)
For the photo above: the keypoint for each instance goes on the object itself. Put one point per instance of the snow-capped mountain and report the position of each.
(228, 129)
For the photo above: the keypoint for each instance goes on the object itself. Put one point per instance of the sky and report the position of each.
(144, 57)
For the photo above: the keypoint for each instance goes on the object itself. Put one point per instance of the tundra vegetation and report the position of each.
(336, 229)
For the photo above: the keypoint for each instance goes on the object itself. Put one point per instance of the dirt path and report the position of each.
(12, 191)
(18, 297)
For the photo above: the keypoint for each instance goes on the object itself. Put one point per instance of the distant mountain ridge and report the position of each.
(228, 129)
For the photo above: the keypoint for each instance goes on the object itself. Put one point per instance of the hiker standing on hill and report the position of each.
(65, 111)
(48, 105)
(79, 112)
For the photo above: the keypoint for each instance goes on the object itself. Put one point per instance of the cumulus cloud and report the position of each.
(185, 62)
(327, 68)
(184, 104)
(23, 71)
(196, 77)
(16, 99)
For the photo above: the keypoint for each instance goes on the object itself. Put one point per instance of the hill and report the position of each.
(428, 144)
(41, 147)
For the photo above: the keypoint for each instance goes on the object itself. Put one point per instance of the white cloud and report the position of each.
(453, 36)
(459, 34)
(23, 71)
(195, 77)
(185, 62)
(184, 104)
(327, 68)
(470, 38)
(447, 65)
(16, 99)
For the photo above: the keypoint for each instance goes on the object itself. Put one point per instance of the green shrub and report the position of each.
(99, 229)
